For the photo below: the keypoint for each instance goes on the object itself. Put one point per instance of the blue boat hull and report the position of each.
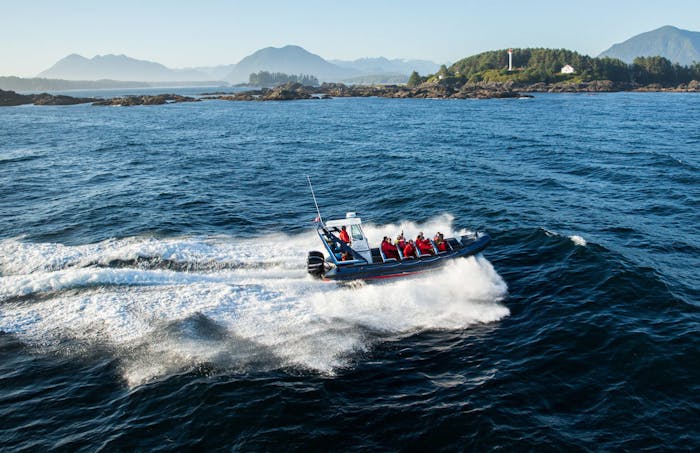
(365, 271)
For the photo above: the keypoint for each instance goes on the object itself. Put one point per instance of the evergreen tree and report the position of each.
(413, 80)
(267, 79)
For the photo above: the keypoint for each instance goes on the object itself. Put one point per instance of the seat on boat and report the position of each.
(419, 254)
(437, 252)
(452, 242)
(384, 258)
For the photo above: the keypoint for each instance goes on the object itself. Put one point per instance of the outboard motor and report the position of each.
(315, 264)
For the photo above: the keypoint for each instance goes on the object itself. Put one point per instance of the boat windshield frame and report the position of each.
(328, 238)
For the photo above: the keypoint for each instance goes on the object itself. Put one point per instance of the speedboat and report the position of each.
(356, 260)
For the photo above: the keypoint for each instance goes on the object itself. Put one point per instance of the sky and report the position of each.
(37, 33)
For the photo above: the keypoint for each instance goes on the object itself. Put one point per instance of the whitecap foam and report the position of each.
(578, 240)
(160, 321)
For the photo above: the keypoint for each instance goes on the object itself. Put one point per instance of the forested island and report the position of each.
(544, 66)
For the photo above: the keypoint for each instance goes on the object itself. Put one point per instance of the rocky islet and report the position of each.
(296, 91)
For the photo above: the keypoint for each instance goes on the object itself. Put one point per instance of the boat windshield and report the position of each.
(356, 232)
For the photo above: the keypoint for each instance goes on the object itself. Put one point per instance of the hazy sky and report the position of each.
(36, 33)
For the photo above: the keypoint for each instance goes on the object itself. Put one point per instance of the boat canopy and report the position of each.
(350, 219)
(360, 245)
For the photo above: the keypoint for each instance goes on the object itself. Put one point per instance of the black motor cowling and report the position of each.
(315, 264)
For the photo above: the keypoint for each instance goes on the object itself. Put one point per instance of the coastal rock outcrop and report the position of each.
(287, 92)
(441, 90)
(692, 87)
(50, 99)
(596, 86)
(10, 98)
(158, 99)
(486, 91)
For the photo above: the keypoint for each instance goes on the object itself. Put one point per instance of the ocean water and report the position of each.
(153, 293)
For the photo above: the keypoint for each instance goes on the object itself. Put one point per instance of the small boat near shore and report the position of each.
(363, 262)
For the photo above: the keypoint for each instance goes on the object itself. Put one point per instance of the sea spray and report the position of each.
(254, 293)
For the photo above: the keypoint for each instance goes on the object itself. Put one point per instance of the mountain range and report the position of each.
(117, 67)
(679, 46)
(288, 59)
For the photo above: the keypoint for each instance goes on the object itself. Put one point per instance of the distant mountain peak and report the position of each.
(678, 45)
(115, 67)
(289, 59)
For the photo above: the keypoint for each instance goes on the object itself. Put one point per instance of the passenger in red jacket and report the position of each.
(400, 242)
(409, 250)
(388, 249)
(344, 236)
(424, 245)
(425, 249)
(440, 242)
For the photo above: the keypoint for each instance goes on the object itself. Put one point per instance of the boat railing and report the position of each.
(343, 263)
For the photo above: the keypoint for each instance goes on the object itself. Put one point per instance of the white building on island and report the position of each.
(567, 69)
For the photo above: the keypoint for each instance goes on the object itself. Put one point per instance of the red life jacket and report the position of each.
(425, 247)
(408, 251)
(344, 236)
(389, 250)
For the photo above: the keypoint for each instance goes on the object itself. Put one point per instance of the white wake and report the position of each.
(172, 304)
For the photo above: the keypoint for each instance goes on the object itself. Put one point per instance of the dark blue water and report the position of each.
(153, 294)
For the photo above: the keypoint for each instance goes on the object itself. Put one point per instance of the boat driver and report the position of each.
(344, 236)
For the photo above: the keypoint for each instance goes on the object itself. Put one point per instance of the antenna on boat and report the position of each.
(319, 218)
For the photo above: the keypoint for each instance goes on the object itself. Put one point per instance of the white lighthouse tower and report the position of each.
(510, 59)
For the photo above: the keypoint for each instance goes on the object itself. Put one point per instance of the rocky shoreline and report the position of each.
(607, 86)
(10, 98)
(441, 90)
(295, 91)
(292, 91)
(158, 99)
